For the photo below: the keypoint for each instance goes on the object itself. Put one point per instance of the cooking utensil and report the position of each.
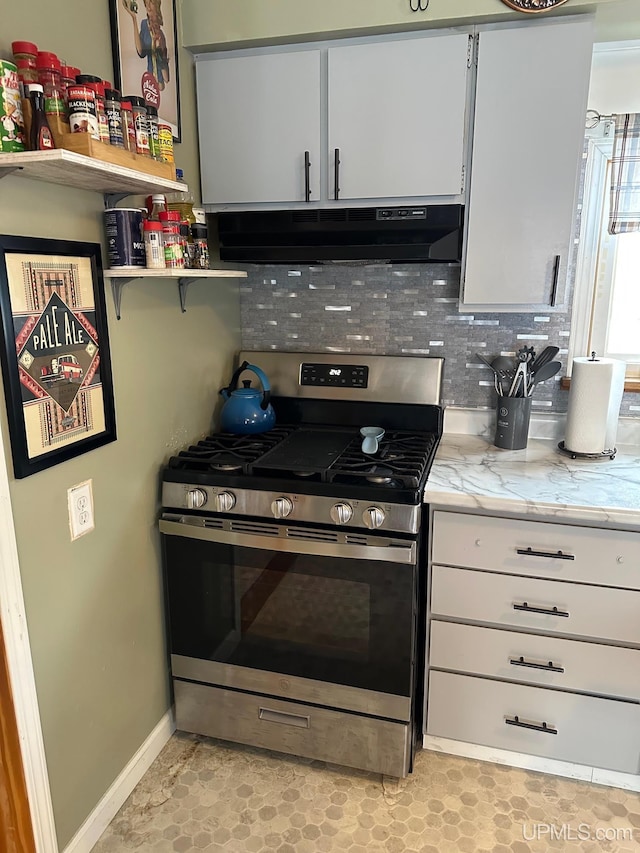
(497, 384)
(371, 436)
(547, 354)
(543, 373)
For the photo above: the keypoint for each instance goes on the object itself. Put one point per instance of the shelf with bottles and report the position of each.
(124, 275)
(61, 166)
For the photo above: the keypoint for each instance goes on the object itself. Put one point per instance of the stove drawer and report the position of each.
(588, 667)
(589, 555)
(367, 743)
(519, 602)
(581, 729)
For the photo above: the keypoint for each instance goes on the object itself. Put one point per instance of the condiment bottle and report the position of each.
(153, 244)
(140, 124)
(173, 256)
(158, 206)
(114, 117)
(182, 201)
(165, 136)
(41, 136)
(128, 127)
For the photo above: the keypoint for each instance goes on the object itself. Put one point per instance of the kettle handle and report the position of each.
(266, 388)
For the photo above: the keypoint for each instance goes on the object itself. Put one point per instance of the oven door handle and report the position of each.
(396, 552)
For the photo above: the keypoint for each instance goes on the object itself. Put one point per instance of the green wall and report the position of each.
(94, 606)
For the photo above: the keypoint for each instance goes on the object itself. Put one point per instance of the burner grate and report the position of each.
(226, 452)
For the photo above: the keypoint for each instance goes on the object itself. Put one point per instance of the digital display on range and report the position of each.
(336, 375)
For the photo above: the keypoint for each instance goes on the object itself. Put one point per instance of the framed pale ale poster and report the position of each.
(54, 352)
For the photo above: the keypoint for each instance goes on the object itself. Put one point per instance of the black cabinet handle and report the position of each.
(554, 280)
(547, 667)
(544, 610)
(336, 174)
(551, 555)
(535, 727)
(307, 169)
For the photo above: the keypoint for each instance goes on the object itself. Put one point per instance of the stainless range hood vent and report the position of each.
(419, 233)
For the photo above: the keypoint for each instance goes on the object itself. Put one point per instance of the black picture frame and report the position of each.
(136, 66)
(54, 351)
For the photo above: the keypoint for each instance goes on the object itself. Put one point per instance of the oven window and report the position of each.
(344, 621)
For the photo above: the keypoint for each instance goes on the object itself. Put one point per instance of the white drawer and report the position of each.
(608, 557)
(598, 732)
(598, 612)
(592, 668)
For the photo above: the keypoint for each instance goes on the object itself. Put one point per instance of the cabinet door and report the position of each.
(397, 117)
(257, 116)
(527, 143)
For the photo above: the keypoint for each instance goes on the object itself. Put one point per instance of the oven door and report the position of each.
(302, 613)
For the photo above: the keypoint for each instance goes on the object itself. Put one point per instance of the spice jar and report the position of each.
(82, 110)
(95, 84)
(199, 247)
(128, 127)
(165, 137)
(153, 244)
(25, 50)
(154, 133)
(158, 206)
(50, 78)
(69, 74)
(173, 256)
(114, 117)
(140, 124)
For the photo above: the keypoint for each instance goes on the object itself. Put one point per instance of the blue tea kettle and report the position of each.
(247, 410)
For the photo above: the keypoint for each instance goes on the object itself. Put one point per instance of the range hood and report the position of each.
(413, 233)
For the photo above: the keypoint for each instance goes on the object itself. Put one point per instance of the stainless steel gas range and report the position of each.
(295, 568)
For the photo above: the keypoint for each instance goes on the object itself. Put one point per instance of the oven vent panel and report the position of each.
(311, 535)
(354, 539)
(214, 523)
(254, 527)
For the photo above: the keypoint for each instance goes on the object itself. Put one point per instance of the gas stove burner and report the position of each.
(380, 476)
(228, 466)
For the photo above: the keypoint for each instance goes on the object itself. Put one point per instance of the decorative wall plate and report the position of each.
(533, 5)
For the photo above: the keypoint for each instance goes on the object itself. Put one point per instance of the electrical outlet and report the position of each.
(80, 500)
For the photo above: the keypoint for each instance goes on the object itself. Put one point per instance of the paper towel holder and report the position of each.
(574, 454)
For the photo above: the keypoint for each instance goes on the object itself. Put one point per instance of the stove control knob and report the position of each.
(196, 498)
(282, 507)
(373, 517)
(341, 513)
(225, 501)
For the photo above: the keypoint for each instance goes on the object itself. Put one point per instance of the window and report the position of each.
(606, 309)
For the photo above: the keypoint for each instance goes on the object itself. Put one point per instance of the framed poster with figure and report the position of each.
(145, 55)
(54, 351)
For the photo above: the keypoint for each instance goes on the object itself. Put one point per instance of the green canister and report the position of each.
(11, 121)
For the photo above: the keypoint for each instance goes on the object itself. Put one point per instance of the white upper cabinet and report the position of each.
(395, 107)
(528, 136)
(259, 121)
(397, 117)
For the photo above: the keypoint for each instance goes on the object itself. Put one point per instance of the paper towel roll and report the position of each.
(594, 404)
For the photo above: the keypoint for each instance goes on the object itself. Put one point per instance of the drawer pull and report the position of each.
(271, 716)
(535, 727)
(548, 667)
(544, 610)
(551, 555)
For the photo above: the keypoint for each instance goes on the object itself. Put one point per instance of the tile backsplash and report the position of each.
(396, 309)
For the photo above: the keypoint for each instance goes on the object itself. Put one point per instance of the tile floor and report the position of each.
(205, 795)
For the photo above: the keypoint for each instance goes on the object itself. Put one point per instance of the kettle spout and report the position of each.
(225, 393)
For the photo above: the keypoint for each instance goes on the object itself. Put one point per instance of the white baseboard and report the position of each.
(87, 836)
(611, 778)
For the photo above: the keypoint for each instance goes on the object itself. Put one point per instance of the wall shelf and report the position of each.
(60, 166)
(120, 277)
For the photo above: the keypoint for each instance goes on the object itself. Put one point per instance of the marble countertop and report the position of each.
(471, 473)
